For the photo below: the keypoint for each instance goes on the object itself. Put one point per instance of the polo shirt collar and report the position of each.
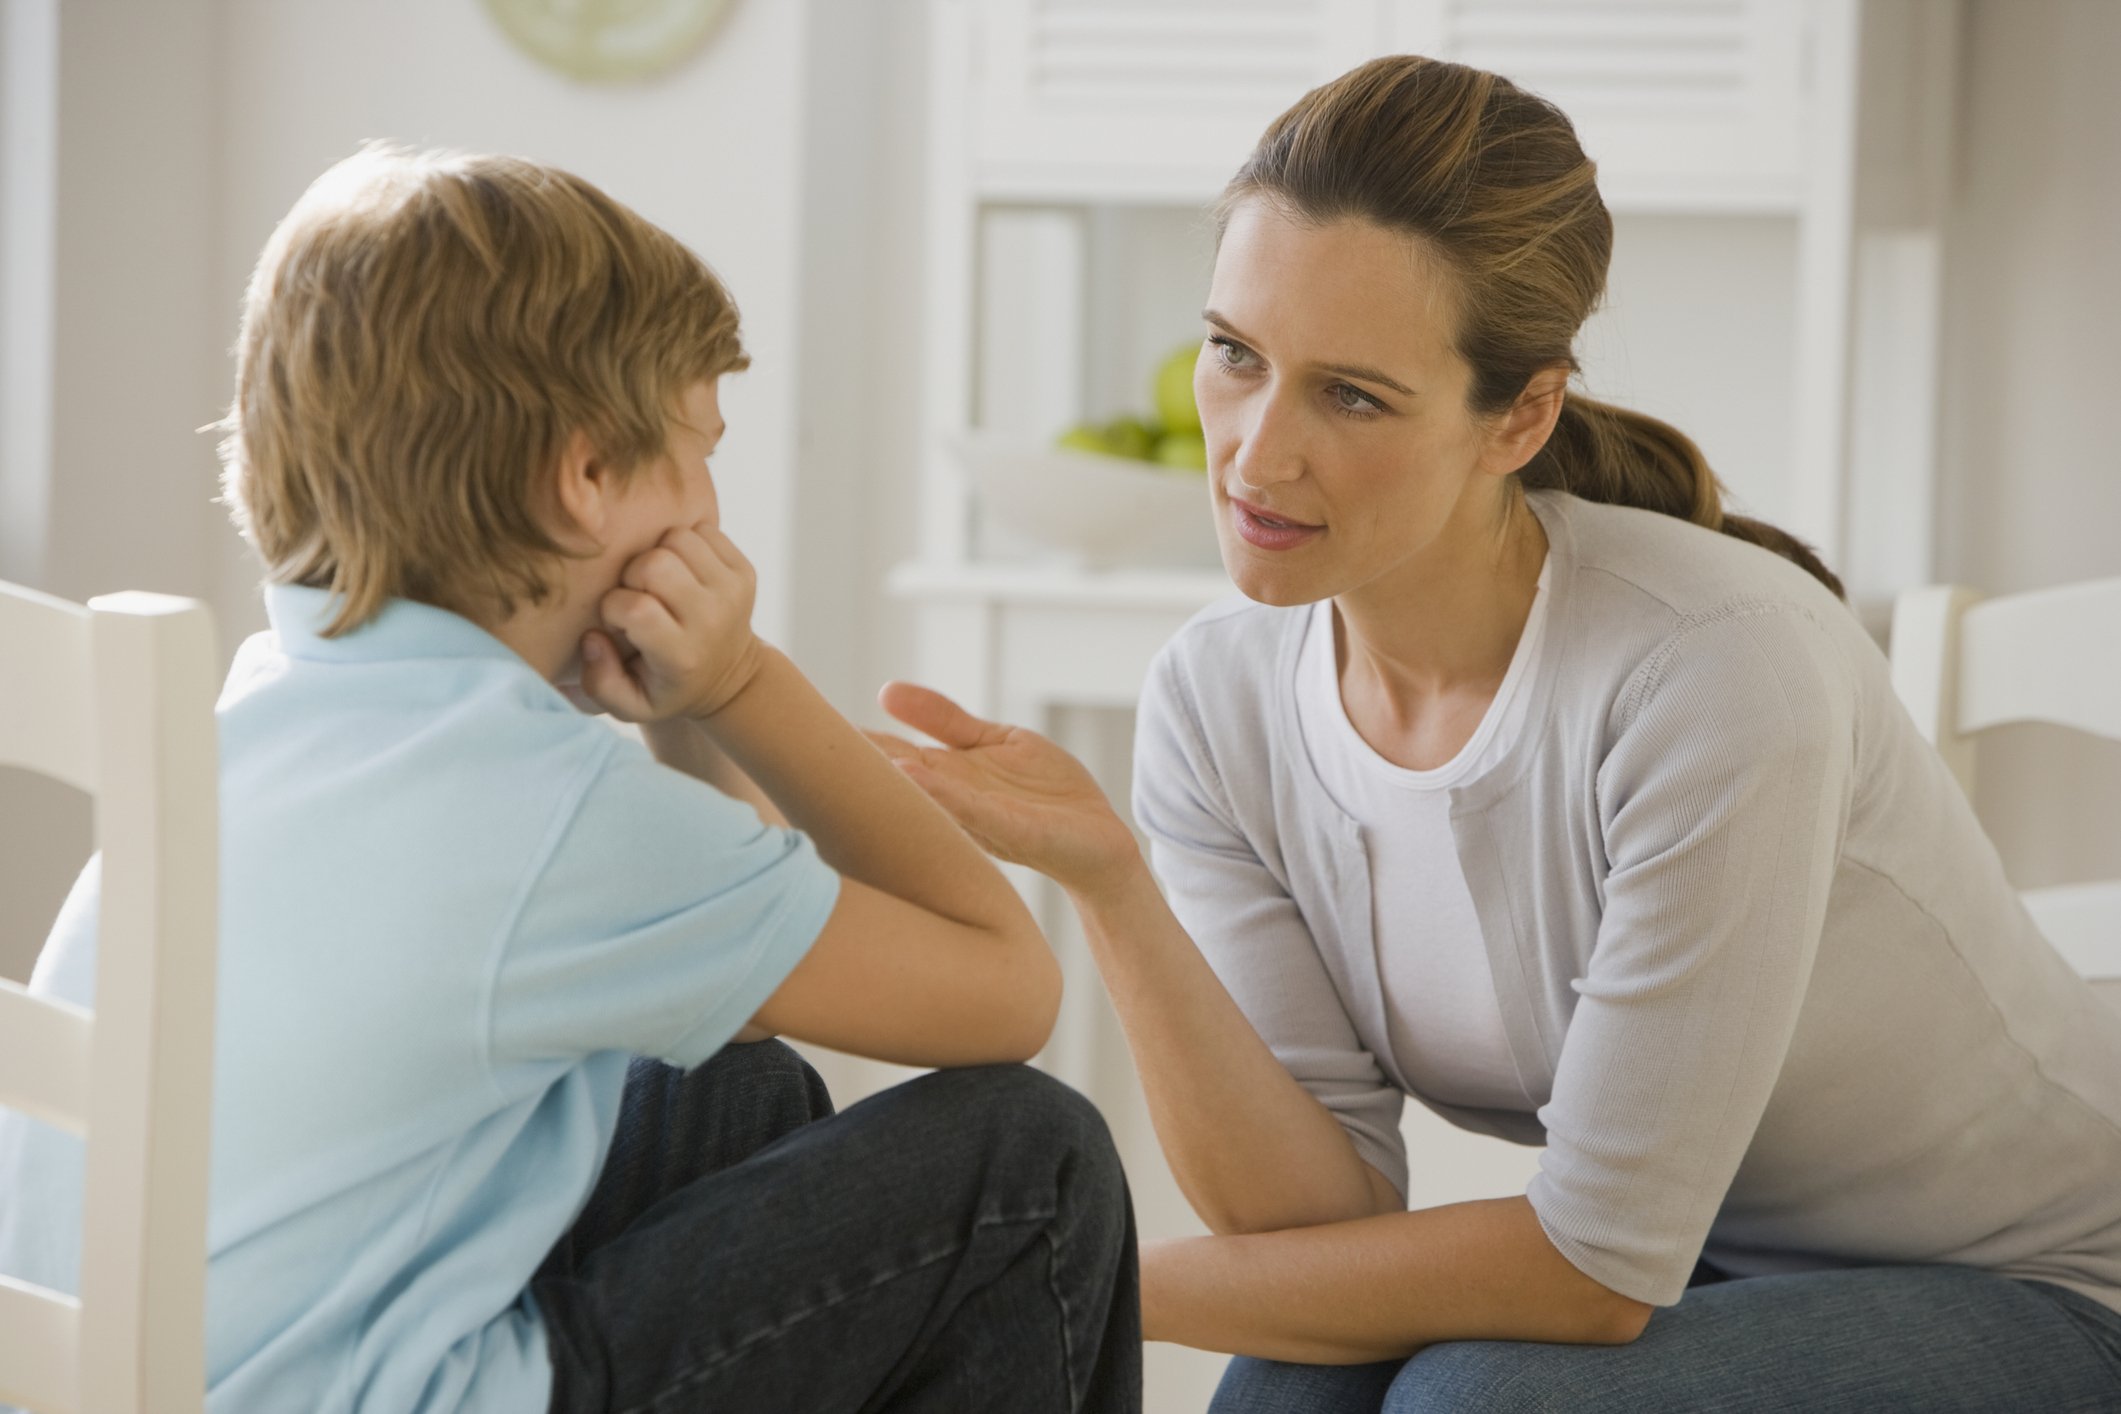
(403, 629)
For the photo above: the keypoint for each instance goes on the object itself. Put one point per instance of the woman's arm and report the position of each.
(1379, 1288)
(1250, 1148)
(1315, 1258)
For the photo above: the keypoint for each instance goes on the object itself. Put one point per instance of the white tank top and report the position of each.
(1439, 991)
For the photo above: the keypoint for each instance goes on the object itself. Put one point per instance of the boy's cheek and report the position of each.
(710, 503)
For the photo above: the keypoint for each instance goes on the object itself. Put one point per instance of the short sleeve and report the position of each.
(1249, 928)
(666, 915)
(1723, 800)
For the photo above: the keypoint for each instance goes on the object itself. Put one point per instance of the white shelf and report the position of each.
(1060, 585)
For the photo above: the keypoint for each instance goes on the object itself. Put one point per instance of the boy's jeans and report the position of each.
(958, 1243)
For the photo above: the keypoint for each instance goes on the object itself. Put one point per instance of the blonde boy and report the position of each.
(476, 400)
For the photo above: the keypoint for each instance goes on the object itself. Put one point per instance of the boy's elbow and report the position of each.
(1038, 998)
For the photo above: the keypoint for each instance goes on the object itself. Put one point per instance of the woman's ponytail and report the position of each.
(1626, 458)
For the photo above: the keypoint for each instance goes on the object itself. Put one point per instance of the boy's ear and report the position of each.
(582, 485)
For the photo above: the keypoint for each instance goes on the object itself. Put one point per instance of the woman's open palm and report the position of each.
(1023, 798)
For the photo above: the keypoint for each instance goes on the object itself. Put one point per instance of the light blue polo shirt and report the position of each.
(452, 907)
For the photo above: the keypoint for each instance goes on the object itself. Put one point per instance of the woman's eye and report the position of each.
(1351, 400)
(1230, 354)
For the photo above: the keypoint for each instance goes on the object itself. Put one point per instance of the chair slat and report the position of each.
(44, 1058)
(143, 1253)
(47, 717)
(2052, 655)
(1925, 656)
(39, 1348)
(2083, 921)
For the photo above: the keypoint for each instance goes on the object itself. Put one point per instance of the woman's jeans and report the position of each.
(960, 1242)
(1880, 1340)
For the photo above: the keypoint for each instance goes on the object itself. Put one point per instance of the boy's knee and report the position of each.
(769, 1057)
(769, 1066)
(1027, 1111)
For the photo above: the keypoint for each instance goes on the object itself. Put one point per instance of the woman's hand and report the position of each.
(1021, 797)
(674, 636)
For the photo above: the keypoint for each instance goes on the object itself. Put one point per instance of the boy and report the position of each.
(474, 408)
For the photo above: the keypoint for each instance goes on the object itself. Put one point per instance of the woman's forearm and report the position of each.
(1379, 1288)
(868, 821)
(1250, 1148)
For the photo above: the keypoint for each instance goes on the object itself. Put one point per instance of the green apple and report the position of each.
(1131, 437)
(1186, 450)
(1085, 437)
(1173, 390)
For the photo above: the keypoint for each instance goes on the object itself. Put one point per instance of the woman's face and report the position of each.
(1334, 406)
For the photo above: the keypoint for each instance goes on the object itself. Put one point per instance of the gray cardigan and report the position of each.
(1759, 967)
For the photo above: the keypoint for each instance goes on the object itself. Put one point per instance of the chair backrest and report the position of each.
(116, 698)
(1963, 663)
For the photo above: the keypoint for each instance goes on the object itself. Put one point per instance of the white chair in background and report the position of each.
(1962, 663)
(117, 699)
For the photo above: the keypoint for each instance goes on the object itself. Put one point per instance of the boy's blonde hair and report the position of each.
(422, 335)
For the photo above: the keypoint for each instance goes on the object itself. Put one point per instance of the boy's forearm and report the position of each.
(867, 820)
(684, 745)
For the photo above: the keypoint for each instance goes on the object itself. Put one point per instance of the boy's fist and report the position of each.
(682, 610)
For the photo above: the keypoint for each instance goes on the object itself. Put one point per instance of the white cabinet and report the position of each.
(1682, 102)
(1104, 99)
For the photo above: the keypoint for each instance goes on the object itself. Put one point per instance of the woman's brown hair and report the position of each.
(1494, 183)
(423, 333)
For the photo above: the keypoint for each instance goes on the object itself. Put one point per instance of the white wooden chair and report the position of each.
(1963, 663)
(117, 699)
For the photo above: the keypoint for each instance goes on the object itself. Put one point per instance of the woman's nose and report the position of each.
(1268, 451)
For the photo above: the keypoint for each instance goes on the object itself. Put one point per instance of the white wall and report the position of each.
(2030, 478)
(133, 369)
(29, 126)
(712, 152)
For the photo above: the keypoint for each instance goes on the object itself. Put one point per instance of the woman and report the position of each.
(1518, 788)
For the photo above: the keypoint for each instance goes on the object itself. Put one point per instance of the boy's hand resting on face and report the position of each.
(682, 611)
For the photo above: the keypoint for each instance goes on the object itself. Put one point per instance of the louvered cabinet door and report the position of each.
(1684, 104)
(1152, 99)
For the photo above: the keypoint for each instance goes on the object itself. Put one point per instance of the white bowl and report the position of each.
(1104, 511)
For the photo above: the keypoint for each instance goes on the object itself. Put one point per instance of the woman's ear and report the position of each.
(582, 487)
(1523, 429)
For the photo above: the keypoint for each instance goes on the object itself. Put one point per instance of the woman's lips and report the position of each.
(1268, 531)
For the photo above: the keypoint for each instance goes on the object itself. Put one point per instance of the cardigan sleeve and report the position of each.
(1248, 927)
(1723, 798)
